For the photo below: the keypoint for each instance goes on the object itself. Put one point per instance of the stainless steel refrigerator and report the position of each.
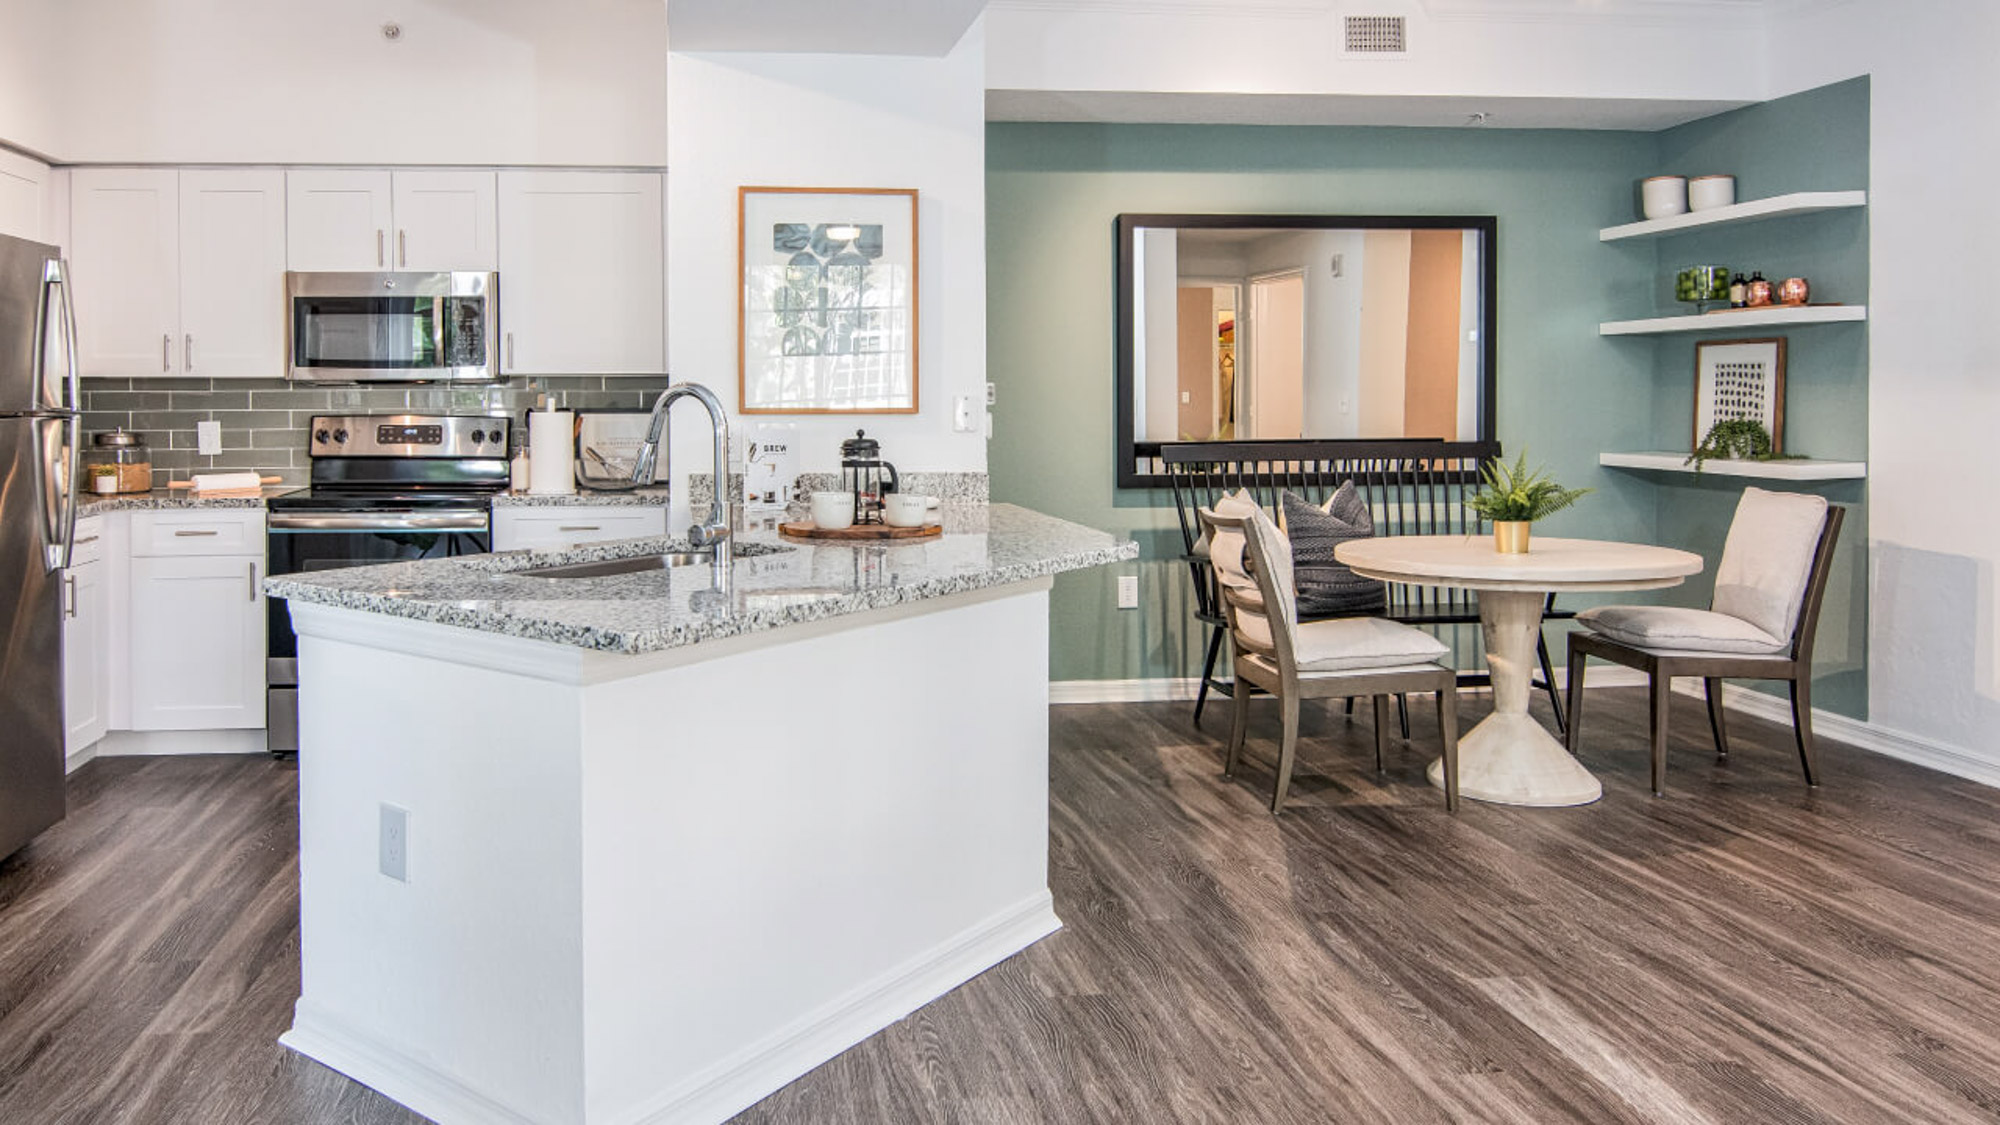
(39, 431)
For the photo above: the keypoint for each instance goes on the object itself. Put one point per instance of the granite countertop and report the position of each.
(655, 496)
(90, 503)
(776, 582)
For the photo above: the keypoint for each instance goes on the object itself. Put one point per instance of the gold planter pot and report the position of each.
(1510, 537)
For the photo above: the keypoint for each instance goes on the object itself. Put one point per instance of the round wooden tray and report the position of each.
(806, 529)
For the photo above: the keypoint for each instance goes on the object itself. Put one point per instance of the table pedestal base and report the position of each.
(1512, 760)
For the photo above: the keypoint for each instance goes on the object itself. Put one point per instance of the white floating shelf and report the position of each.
(1777, 206)
(1801, 469)
(1769, 316)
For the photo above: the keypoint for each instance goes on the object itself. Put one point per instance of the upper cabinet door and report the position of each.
(582, 273)
(444, 221)
(125, 258)
(338, 219)
(233, 274)
(24, 197)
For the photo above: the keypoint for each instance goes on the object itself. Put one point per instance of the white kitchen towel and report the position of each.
(551, 452)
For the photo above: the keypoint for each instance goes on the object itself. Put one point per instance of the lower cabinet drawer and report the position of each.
(549, 528)
(199, 531)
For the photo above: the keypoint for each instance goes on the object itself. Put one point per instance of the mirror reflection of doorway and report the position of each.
(1276, 384)
(1206, 360)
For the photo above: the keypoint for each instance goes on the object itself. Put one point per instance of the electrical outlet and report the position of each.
(393, 856)
(208, 438)
(1128, 591)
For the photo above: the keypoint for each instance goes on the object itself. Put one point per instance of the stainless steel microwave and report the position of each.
(392, 327)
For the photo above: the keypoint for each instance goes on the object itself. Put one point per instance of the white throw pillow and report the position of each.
(1768, 558)
(1669, 628)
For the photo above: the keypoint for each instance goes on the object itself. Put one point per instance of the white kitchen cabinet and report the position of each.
(125, 261)
(445, 221)
(24, 202)
(232, 273)
(179, 273)
(87, 613)
(338, 219)
(197, 620)
(545, 529)
(582, 269)
(374, 220)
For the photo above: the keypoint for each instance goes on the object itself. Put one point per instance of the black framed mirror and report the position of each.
(1362, 328)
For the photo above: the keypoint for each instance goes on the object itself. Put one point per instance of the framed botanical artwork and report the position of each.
(826, 315)
(1740, 379)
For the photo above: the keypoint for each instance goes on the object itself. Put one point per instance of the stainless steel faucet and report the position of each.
(714, 533)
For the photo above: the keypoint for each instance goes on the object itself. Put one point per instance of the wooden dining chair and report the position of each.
(1759, 626)
(1335, 658)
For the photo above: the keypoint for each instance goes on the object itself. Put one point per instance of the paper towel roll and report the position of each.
(551, 451)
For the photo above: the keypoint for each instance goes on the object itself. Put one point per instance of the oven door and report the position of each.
(392, 327)
(306, 541)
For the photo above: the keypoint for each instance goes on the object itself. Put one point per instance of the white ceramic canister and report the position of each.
(1663, 196)
(1707, 192)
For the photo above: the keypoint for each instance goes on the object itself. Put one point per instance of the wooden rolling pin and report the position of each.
(226, 482)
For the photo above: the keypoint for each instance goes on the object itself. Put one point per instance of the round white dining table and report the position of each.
(1510, 758)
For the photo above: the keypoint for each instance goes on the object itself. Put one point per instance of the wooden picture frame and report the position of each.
(1740, 379)
(826, 300)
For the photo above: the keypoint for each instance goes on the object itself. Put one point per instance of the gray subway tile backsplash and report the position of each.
(265, 422)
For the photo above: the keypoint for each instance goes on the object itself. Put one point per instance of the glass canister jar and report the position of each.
(118, 461)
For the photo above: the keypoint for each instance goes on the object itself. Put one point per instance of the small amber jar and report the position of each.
(126, 455)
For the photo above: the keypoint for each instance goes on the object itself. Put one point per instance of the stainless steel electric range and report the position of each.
(385, 488)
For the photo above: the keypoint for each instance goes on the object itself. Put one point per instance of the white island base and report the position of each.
(656, 888)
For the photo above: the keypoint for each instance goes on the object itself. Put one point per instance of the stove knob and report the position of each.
(478, 436)
(340, 435)
(322, 436)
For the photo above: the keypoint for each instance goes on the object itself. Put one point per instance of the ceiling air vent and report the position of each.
(1376, 35)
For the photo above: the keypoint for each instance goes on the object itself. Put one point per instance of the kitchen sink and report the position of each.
(637, 564)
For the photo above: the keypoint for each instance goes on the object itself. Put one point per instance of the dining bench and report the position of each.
(1411, 487)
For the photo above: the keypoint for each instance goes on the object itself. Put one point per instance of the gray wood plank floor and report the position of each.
(1743, 950)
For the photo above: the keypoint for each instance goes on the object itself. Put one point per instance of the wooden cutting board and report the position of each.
(806, 529)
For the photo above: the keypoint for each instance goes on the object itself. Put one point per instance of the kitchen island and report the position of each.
(664, 847)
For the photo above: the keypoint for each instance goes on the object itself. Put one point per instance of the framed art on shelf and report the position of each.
(1740, 379)
(826, 314)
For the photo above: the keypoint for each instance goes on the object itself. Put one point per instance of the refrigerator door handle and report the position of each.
(56, 463)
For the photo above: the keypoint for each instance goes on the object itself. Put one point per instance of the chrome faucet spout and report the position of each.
(713, 533)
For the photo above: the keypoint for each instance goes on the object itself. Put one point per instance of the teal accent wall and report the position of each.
(1565, 393)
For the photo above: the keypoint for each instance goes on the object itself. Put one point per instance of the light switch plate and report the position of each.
(208, 438)
(963, 420)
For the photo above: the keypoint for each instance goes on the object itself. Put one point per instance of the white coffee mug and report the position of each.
(904, 510)
(833, 511)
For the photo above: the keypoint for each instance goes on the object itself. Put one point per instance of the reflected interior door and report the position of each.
(1277, 342)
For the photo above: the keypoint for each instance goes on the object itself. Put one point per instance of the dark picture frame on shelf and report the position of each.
(1740, 379)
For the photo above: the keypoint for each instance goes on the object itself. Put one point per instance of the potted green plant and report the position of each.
(1514, 497)
(1737, 439)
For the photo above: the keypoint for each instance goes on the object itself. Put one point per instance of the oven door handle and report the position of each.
(433, 519)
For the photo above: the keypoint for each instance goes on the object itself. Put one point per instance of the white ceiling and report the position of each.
(835, 27)
(1644, 115)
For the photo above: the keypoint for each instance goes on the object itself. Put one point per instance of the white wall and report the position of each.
(307, 81)
(833, 121)
(1934, 380)
(1457, 47)
(1157, 366)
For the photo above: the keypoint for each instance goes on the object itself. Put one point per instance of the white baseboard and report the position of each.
(81, 758)
(755, 1072)
(720, 1091)
(144, 743)
(329, 1041)
(1931, 754)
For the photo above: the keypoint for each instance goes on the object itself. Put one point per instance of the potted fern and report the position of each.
(1514, 497)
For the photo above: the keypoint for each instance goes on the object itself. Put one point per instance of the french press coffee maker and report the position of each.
(861, 472)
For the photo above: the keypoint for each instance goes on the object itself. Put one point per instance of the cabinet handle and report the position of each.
(69, 596)
(187, 353)
(166, 351)
(402, 248)
(510, 351)
(86, 539)
(194, 534)
(580, 527)
(379, 263)
(253, 580)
